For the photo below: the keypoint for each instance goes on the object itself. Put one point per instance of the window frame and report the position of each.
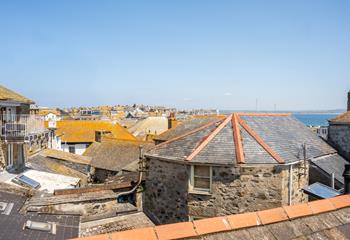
(69, 148)
(193, 189)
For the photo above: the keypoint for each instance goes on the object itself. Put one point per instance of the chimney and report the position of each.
(172, 120)
(348, 101)
(346, 176)
(100, 134)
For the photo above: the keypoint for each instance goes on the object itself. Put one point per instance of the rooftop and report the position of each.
(341, 119)
(114, 154)
(12, 224)
(83, 131)
(245, 138)
(322, 219)
(9, 95)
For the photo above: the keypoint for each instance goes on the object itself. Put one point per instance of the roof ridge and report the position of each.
(237, 139)
(231, 223)
(188, 133)
(260, 141)
(209, 138)
(255, 114)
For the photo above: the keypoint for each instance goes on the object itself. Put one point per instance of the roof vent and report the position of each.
(6, 208)
(41, 226)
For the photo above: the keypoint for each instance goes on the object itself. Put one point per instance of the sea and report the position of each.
(309, 119)
(315, 119)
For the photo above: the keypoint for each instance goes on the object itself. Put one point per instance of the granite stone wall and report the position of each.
(234, 190)
(166, 191)
(339, 138)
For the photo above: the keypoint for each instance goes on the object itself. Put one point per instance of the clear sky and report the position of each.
(190, 53)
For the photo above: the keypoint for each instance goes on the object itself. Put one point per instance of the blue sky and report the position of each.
(190, 53)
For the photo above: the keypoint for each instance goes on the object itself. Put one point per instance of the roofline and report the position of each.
(188, 133)
(254, 114)
(158, 137)
(231, 223)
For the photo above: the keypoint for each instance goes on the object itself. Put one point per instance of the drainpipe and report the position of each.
(332, 180)
(290, 185)
(139, 179)
(346, 176)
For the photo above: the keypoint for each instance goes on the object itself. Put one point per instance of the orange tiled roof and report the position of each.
(230, 223)
(84, 130)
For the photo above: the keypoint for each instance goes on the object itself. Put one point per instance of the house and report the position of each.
(75, 136)
(149, 126)
(49, 114)
(339, 132)
(20, 131)
(244, 162)
(112, 156)
(321, 219)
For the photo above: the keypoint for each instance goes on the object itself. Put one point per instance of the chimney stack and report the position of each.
(172, 120)
(348, 101)
(346, 176)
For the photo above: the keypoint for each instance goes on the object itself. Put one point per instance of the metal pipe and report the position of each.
(139, 179)
(332, 180)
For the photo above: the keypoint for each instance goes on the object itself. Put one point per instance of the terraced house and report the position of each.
(244, 162)
(20, 130)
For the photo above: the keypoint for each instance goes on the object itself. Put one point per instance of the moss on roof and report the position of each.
(83, 131)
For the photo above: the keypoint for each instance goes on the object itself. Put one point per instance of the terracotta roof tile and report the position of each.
(211, 225)
(175, 231)
(243, 220)
(321, 206)
(299, 210)
(272, 215)
(340, 201)
(135, 234)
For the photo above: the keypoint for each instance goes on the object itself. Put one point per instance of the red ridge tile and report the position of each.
(272, 215)
(175, 231)
(243, 220)
(299, 210)
(321, 206)
(211, 225)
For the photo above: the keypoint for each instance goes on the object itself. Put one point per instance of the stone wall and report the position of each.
(166, 191)
(246, 189)
(234, 190)
(339, 138)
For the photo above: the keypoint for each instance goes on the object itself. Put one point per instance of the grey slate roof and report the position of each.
(285, 135)
(332, 164)
(184, 128)
(12, 224)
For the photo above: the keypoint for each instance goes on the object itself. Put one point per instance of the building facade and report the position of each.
(21, 131)
(245, 162)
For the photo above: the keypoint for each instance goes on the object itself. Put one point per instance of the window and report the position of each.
(201, 178)
(71, 148)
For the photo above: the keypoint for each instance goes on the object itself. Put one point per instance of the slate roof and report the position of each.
(83, 131)
(9, 95)
(12, 224)
(114, 154)
(321, 219)
(184, 127)
(245, 138)
(332, 164)
(341, 119)
(115, 224)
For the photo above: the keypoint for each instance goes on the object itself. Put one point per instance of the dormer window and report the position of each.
(201, 179)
